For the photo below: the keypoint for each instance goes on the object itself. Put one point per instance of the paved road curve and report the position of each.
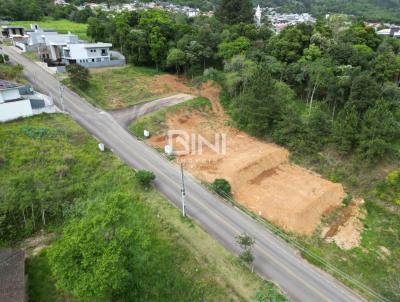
(274, 259)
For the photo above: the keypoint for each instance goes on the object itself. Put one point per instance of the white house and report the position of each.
(58, 49)
(18, 101)
(91, 55)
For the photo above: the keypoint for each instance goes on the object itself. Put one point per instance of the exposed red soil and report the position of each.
(260, 174)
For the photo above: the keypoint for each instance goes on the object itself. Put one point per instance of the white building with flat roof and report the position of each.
(91, 55)
(18, 101)
(58, 49)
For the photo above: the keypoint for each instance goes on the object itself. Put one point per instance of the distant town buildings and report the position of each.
(17, 100)
(279, 21)
(389, 32)
(138, 5)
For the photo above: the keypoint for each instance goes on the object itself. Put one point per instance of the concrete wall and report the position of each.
(21, 46)
(31, 48)
(117, 55)
(11, 94)
(103, 63)
(13, 110)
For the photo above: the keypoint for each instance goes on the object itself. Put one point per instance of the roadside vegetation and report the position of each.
(10, 72)
(68, 192)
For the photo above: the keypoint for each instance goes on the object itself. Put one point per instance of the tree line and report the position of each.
(35, 10)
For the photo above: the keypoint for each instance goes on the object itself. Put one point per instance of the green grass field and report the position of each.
(119, 87)
(62, 26)
(40, 144)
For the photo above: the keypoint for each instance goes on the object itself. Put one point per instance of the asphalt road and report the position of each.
(125, 116)
(274, 259)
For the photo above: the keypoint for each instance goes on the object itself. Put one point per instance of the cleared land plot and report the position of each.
(63, 26)
(261, 176)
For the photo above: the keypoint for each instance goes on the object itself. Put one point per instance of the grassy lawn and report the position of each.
(376, 263)
(155, 121)
(114, 88)
(62, 26)
(43, 144)
(31, 55)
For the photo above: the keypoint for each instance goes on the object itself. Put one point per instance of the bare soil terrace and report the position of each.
(260, 173)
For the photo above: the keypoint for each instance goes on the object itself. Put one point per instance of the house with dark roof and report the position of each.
(12, 276)
(12, 31)
(18, 100)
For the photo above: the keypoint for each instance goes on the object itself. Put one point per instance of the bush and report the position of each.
(4, 59)
(221, 187)
(10, 72)
(78, 75)
(145, 177)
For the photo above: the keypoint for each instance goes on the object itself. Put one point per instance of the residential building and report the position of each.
(91, 55)
(17, 101)
(12, 276)
(15, 33)
(389, 32)
(279, 21)
(59, 49)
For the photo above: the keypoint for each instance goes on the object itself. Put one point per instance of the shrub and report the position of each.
(62, 171)
(78, 75)
(69, 159)
(145, 177)
(4, 59)
(221, 187)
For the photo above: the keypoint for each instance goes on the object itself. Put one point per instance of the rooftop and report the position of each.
(12, 26)
(5, 85)
(99, 44)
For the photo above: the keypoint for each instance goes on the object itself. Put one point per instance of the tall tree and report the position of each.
(235, 11)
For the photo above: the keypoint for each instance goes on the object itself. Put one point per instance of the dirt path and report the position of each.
(125, 116)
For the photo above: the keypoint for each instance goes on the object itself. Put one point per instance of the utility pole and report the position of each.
(62, 97)
(183, 193)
